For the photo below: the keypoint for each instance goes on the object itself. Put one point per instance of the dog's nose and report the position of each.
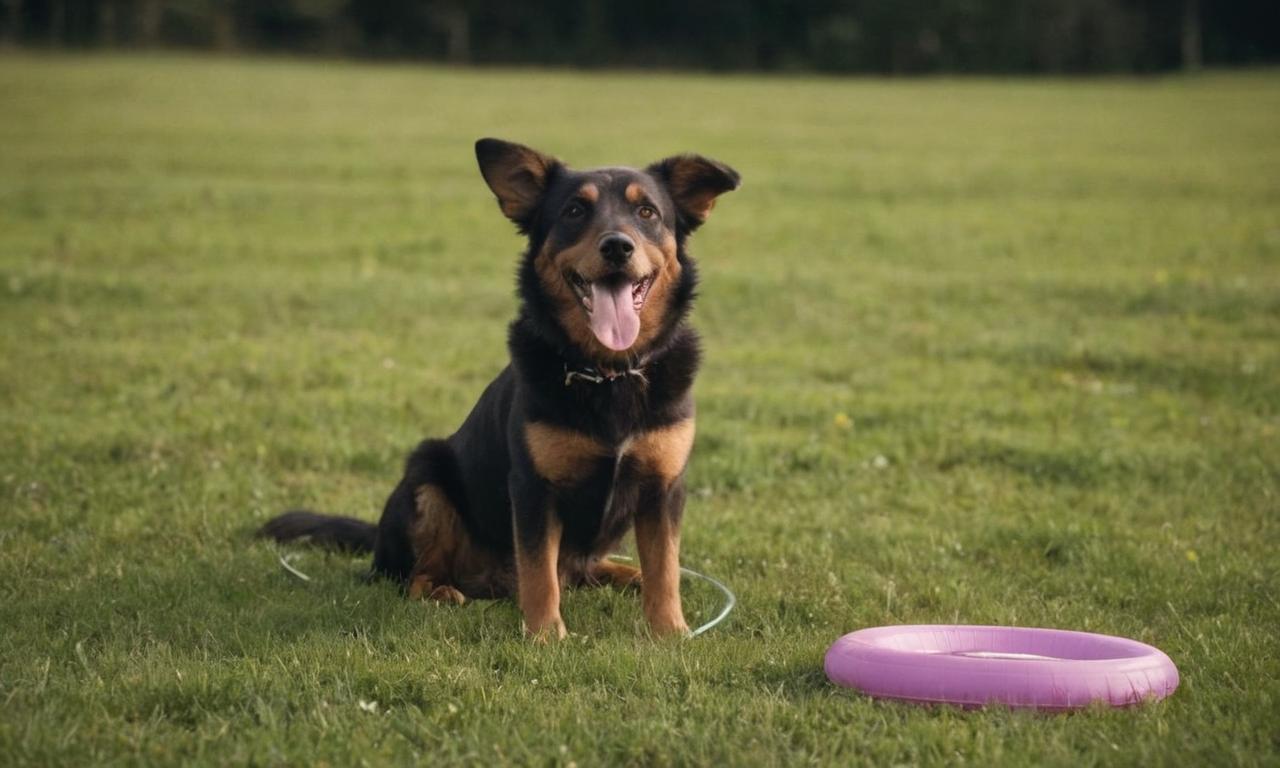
(616, 248)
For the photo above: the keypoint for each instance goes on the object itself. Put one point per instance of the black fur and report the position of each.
(327, 531)
(484, 468)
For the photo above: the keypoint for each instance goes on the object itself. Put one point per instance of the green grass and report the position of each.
(983, 351)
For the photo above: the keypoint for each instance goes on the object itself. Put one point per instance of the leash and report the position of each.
(730, 600)
(284, 562)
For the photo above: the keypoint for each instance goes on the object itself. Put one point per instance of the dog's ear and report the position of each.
(694, 183)
(517, 175)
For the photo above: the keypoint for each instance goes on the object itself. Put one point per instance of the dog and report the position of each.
(587, 432)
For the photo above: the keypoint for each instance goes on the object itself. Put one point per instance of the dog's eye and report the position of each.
(647, 212)
(575, 210)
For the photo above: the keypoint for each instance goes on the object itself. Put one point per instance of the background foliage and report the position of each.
(885, 36)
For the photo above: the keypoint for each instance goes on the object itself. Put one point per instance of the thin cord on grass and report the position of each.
(730, 600)
(284, 561)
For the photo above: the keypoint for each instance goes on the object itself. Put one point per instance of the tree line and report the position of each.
(872, 36)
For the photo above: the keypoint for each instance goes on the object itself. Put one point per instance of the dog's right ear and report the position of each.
(517, 174)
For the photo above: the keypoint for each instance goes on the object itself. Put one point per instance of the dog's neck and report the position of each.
(534, 354)
(592, 374)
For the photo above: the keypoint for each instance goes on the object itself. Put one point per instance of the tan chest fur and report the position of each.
(564, 456)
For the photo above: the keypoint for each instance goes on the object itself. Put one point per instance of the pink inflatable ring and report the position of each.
(1015, 666)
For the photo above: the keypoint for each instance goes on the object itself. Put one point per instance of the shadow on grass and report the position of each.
(1055, 467)
(1072, 466)
(1233, 382)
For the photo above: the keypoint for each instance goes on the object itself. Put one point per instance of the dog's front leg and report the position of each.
(658, 543)
(537, 545)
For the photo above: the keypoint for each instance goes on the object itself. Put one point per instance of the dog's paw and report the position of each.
(447, 594)
(546, 630)
(423, 588)
(671, 630)
(667, 624)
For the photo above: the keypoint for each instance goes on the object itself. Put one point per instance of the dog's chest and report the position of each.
(565, 457)
(596, 486)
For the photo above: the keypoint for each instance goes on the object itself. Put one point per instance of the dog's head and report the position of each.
(606, 266)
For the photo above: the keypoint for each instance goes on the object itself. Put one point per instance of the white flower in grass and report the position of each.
(368, 706)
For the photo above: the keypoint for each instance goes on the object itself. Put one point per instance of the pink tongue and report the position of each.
(613, 316)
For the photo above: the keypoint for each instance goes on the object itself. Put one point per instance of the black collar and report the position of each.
(594, 375)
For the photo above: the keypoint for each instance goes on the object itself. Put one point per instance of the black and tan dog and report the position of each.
(587, 432)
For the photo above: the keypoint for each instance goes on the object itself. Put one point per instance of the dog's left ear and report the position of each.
(517, 175)
(694, 183)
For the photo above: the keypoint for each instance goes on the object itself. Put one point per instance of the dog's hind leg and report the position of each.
(614, 574)
(439, 541)
(422, 542)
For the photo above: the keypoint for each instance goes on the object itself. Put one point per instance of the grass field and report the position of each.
(979, 351)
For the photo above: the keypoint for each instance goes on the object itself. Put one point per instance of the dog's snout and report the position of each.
(616, 248)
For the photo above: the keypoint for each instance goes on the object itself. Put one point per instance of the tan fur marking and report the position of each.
(569, 310)
(663, 256)
(589, 192)
(561, 456)
(584, 258)
(658, 543)
(419, 586)
(445, 557)
(539, 585)
(697, 200)
(635, 193)
(550, 268)
(436, 537)
(665, 451)
(617, 574)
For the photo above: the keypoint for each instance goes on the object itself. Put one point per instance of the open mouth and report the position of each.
(613, 305)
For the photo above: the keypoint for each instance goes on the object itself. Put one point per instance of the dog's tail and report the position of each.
(345, 534)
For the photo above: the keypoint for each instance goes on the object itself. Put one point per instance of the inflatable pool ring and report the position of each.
(1020, 667)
